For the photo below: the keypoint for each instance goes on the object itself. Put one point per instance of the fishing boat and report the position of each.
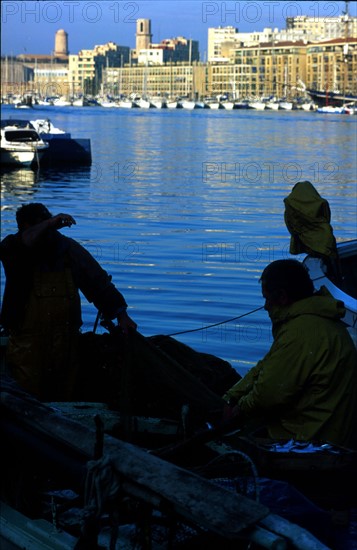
(69, 486)
(61, 147)
(325, 97)
(21, 146)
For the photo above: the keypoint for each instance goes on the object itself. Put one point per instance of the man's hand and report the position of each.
(126, 323)
(61, 220)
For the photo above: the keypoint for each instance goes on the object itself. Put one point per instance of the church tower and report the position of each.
(61, 43)
(143, 34)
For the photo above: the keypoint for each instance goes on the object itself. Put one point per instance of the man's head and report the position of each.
(285, 282)
(31, 214)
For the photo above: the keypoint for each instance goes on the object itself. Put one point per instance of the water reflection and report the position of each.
(19, 182)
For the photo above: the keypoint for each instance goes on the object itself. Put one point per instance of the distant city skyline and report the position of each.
(30, 27)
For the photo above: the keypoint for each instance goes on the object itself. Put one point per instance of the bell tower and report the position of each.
(143, 34)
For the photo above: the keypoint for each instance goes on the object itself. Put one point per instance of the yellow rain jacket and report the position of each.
(305, 388)
(307, 217)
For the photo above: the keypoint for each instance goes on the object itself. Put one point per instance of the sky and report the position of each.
(30, 27)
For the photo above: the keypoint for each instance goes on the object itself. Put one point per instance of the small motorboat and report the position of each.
(52, 145)
(21, 146)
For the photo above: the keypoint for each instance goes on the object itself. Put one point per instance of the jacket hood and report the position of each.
(307, 217)
(320, 306)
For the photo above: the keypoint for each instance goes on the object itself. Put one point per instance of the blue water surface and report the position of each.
(185, 208)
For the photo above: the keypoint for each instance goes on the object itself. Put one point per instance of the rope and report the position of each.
(217, 324)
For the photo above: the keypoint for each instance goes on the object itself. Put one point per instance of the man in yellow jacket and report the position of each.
(305, 388)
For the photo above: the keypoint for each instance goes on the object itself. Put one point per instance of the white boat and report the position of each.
(188, 104)
(78, 102)
(309, 106)
(22, 106)
(347, 109)
(173, 105)
(272, 105)
(128, 104)
(215, 105)
(350, 109)
(158, 103)
(21, 146)
(229, 105)
(329, 109)
(62, 102)
(286, 105)
(347, 290)
(108, 104)
(144, 103)
(257, 105)
(61, 149)
(47, 102)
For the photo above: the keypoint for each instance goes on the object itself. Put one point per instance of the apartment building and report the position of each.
(323, 28)
(174, 50)
(85, 70)
(263, 70)
(223, 41)
(332, 65)
(169, 80)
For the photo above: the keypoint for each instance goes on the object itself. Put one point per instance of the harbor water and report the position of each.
(185, 208)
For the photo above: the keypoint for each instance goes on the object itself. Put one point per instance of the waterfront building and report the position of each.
(223, 41)
(169, 80)
(86, 68)
(262, 70)
(15, 77)
(170, 50)
(41, 75)
(332, 65)
(174, 50)
(240, 66)
(323, 28)
(220, 38)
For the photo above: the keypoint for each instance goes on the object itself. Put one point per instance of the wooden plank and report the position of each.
(198, 500)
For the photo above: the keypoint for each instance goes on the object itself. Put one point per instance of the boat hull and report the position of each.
(347, 252)
(321, 98)
(55, 147)
(15, 157)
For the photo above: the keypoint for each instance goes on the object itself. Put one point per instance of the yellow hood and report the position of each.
(307, 217)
